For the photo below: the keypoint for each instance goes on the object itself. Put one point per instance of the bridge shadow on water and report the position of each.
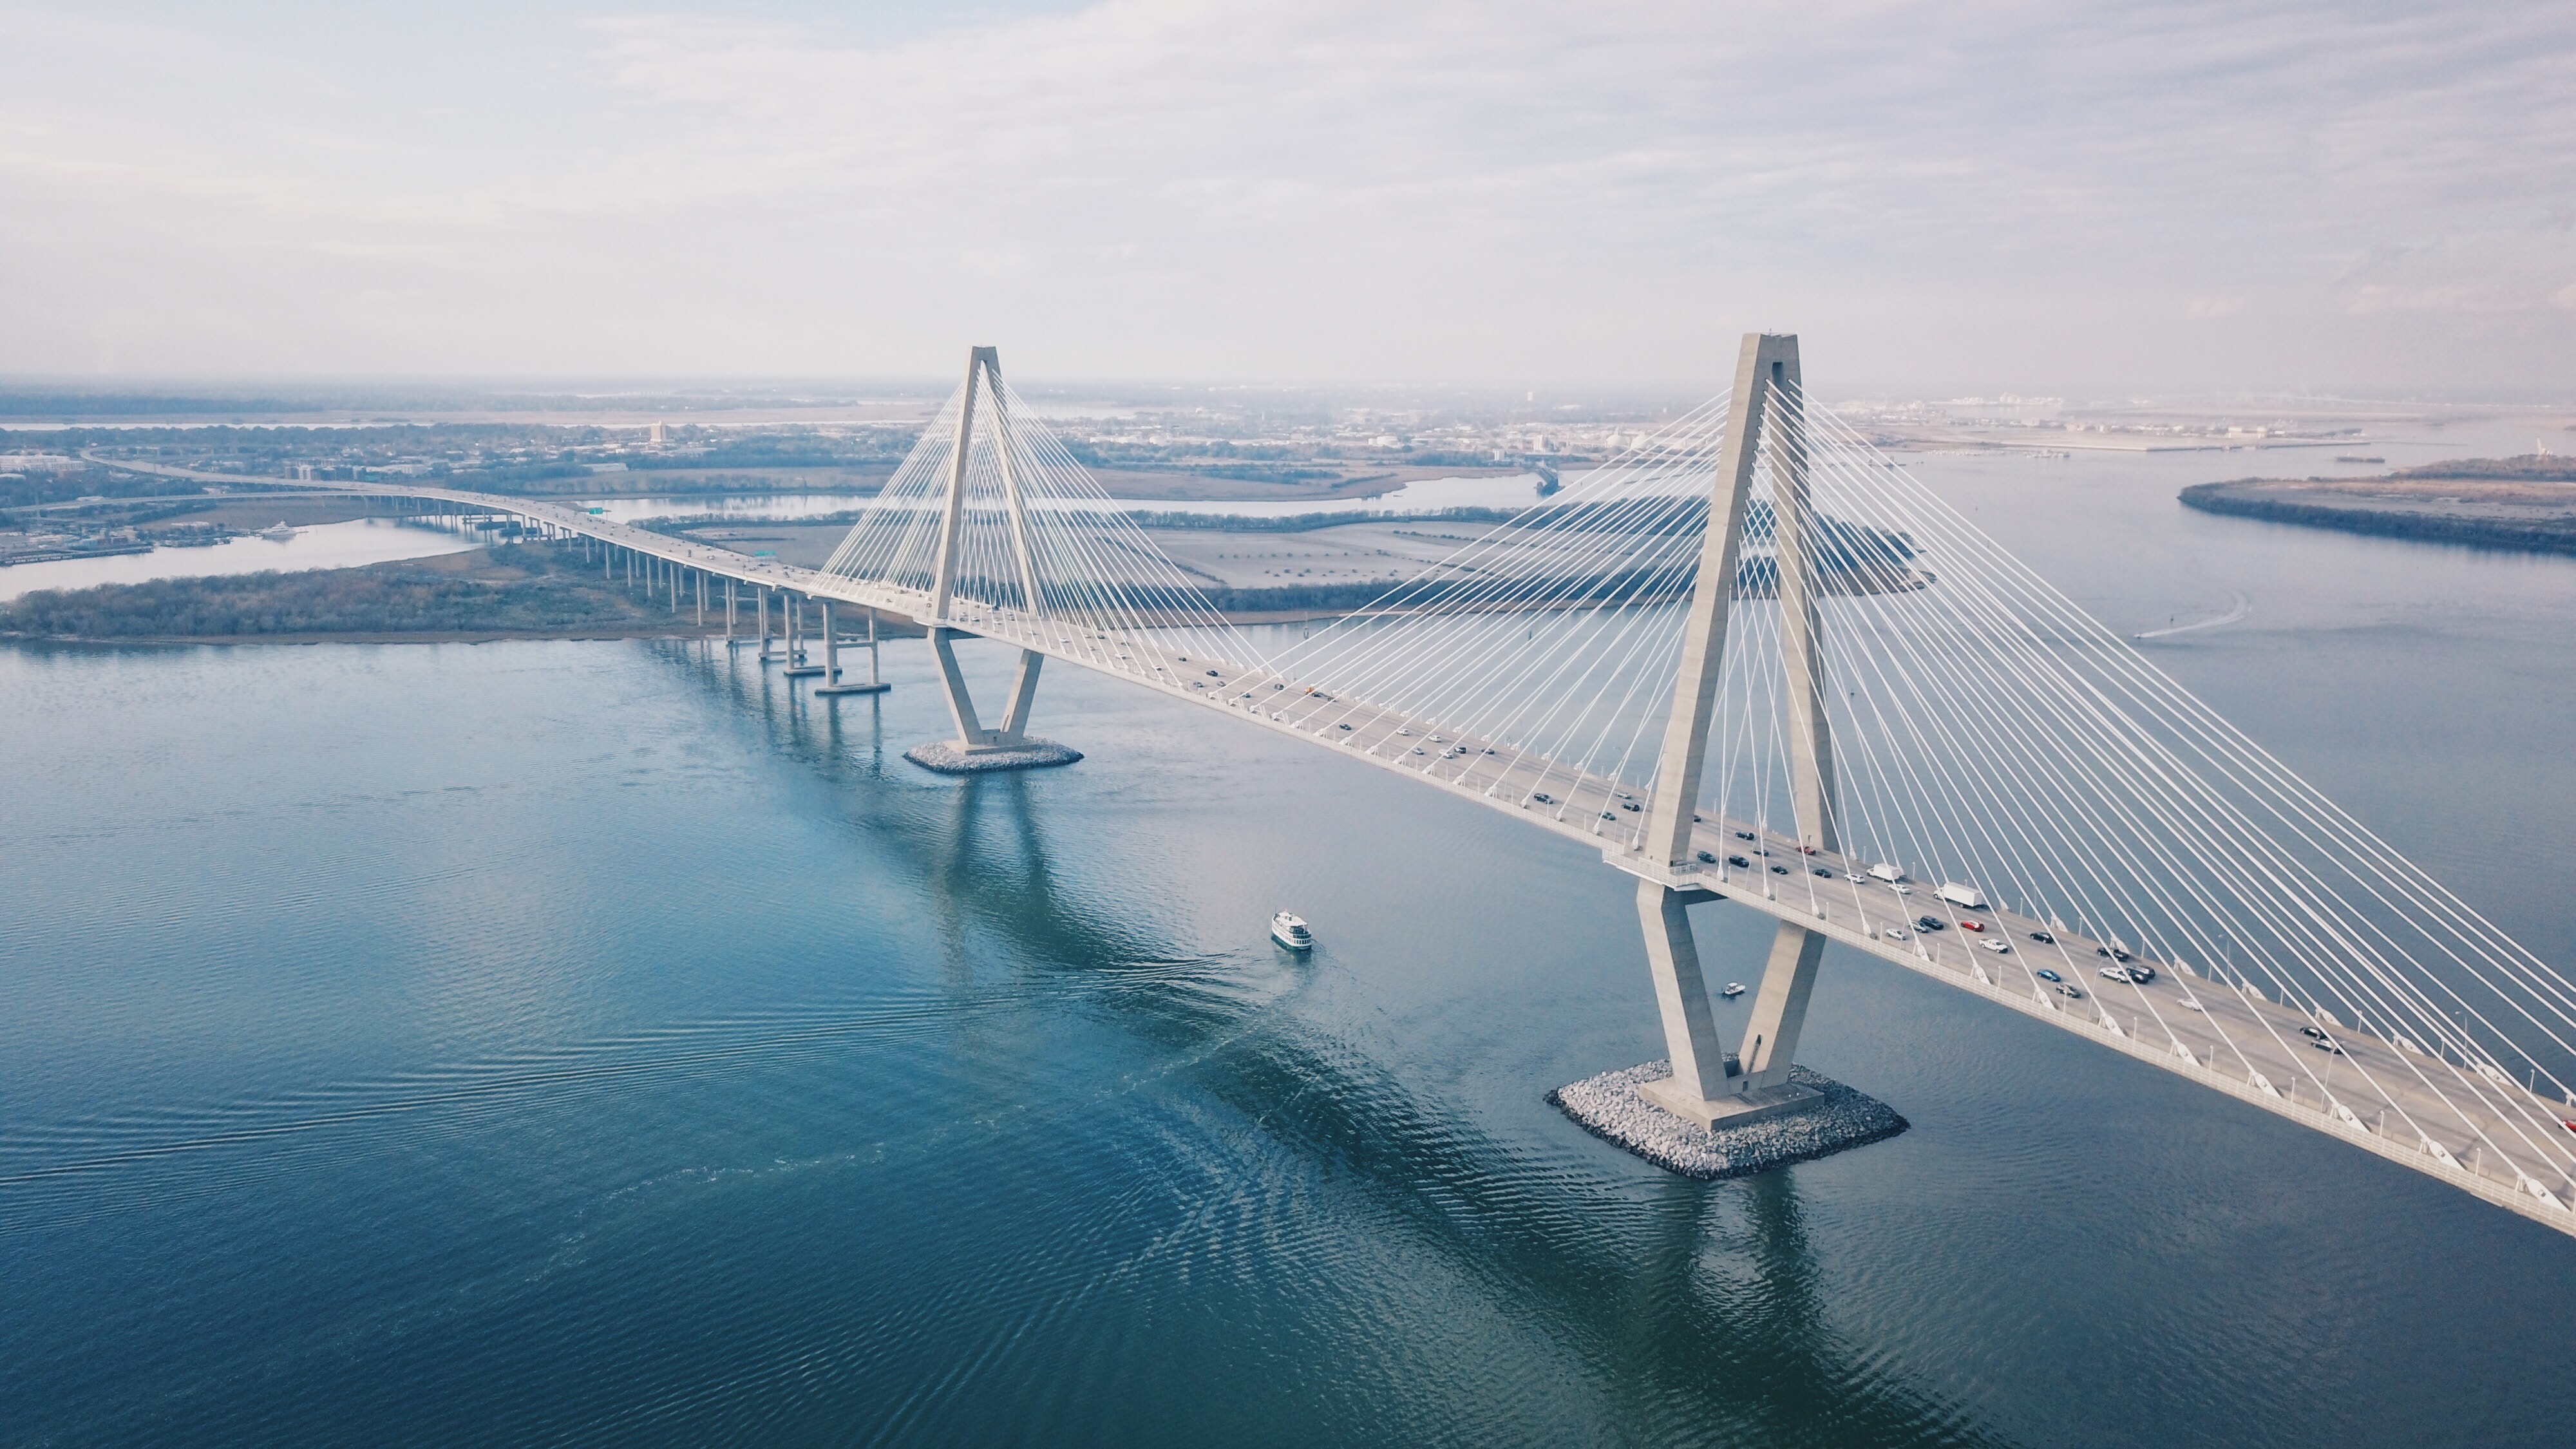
(1697, 1312)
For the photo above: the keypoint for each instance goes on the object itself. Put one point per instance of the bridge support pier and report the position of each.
(1709, 1085)
(1717, 1114)
(832, 659)
(797, 668)
(1703, 1071)
(977, 749)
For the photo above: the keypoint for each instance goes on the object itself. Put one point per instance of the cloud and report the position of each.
(1984, 191)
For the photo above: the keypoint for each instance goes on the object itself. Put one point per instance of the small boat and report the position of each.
(1291, 932)
(277, 532)
(1733, 988)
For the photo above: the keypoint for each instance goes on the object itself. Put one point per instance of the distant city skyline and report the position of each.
(2089, 200)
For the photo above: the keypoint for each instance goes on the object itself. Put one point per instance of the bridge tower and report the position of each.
(1710, 1085)
(978, 748)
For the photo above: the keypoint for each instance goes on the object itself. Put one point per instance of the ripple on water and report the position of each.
(430, 1053)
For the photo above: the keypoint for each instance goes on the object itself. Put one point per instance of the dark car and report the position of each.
(1739, 862)
(1542, 798)
(1779, 870)
(1342, 727)
(1927, 923)
(1629, 805)
(1820, 870)
(2045, 974)
(2043, 938)
(1707, 859)
(1744, 835)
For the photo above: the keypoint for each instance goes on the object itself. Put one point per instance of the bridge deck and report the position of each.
(2477, 1134)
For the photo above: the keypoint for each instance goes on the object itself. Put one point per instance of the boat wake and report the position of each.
(2244, 606)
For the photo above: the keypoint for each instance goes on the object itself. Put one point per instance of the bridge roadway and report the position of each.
(2479, 1136)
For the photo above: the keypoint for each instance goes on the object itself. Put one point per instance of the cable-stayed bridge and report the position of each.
(1878, 728)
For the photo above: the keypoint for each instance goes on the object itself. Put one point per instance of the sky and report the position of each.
(2072, 198)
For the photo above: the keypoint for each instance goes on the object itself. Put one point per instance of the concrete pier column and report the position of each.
(976, 748)
(1780, 1006)
(1766, 410)
(832, 658)
(1700, 1067)
(797, 668)
(730, 641)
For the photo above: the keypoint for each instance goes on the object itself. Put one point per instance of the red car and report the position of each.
(1972, 925)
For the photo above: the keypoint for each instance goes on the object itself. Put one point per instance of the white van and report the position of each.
(1966, 898)
(1888, 873)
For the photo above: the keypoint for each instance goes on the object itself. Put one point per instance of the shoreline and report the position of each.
(2433, 511)
(2523, 504)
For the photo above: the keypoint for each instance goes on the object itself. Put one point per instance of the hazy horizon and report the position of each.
(2095, 201)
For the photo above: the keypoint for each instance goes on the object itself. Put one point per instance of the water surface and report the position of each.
(350, 544)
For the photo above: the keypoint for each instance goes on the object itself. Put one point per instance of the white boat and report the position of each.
(1733, 988)
(1291, 932)
(277, 531)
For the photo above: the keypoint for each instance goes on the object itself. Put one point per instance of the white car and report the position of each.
(1893, 934)
(1997, 947)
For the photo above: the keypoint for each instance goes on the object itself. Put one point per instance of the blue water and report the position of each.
(598, 1043)
(350, 544)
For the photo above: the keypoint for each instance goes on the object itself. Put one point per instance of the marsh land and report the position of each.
(2526, 503)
